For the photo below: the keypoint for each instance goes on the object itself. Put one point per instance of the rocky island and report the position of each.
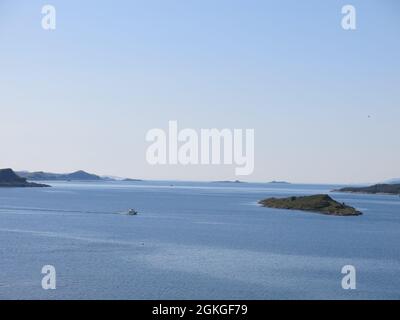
(375, 189)
(320, 203)
(8, 179)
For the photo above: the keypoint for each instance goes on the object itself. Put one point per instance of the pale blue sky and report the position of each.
(84, 96)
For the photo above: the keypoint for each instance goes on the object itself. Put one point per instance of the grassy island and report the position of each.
(320, 203)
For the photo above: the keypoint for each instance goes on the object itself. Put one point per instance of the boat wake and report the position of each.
(28, 210)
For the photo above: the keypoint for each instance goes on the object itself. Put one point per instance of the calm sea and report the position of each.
(193, 241)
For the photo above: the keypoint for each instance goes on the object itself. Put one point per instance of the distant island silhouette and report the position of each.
(74, 176)
(279, 182)
(229, 181)
(41, 175)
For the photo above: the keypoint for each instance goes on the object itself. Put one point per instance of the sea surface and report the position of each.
(193, 240)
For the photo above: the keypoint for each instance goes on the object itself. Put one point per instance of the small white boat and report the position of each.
(132, 212)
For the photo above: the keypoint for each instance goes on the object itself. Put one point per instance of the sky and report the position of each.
(324, 102)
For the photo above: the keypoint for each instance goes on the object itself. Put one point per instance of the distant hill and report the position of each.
(8, 178)
(375, 189)
(82, 175)
(47, 176)
(74, 176)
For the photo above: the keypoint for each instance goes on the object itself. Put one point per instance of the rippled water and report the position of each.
(193, 241)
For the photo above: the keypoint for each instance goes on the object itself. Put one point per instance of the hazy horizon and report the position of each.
(230, 179)
(324, 102)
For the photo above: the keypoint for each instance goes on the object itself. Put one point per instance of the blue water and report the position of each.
(193, 241)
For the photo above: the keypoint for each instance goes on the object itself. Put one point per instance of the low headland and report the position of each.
(9, 179)
(375, 189)
(320, 203)
(79, 175)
